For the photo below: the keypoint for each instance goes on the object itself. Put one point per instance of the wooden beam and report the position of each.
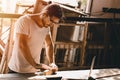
(39, 5)
(8, 15)
(72, 24)
(2, 43)
(72, 9)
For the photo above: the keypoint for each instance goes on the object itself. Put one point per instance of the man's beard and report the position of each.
(44, 24)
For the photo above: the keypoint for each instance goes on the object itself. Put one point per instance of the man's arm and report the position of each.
(26, 52)
(49, 49)
(50, 53)
(22, 40)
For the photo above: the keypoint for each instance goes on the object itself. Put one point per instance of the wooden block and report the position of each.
(48, 72)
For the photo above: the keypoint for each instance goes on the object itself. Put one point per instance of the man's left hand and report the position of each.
(54, 67)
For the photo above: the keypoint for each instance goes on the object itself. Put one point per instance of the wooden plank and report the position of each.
(2, 43)
(72, 9)
(8, 15)
(39, 5)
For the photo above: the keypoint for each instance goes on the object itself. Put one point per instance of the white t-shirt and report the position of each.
(36, 36)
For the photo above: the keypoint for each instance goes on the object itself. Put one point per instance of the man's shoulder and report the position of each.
(24, 18)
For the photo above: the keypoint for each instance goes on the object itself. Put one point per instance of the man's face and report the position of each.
(50, 21)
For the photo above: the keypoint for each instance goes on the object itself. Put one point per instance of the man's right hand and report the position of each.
(48, 69)
(42, 66)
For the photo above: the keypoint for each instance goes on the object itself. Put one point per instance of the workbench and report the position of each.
(98, 74)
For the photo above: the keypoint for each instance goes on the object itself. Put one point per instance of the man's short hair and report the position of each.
(54, 10)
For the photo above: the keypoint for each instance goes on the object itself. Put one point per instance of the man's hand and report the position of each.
(54, 67)
(42, 66)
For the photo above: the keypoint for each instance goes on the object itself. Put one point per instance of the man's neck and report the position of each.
(37, 20)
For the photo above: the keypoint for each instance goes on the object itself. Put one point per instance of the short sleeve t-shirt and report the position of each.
(36, 36)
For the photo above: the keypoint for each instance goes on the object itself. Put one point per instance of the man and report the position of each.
(31, 31)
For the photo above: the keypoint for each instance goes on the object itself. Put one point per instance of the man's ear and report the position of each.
(44, 15)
